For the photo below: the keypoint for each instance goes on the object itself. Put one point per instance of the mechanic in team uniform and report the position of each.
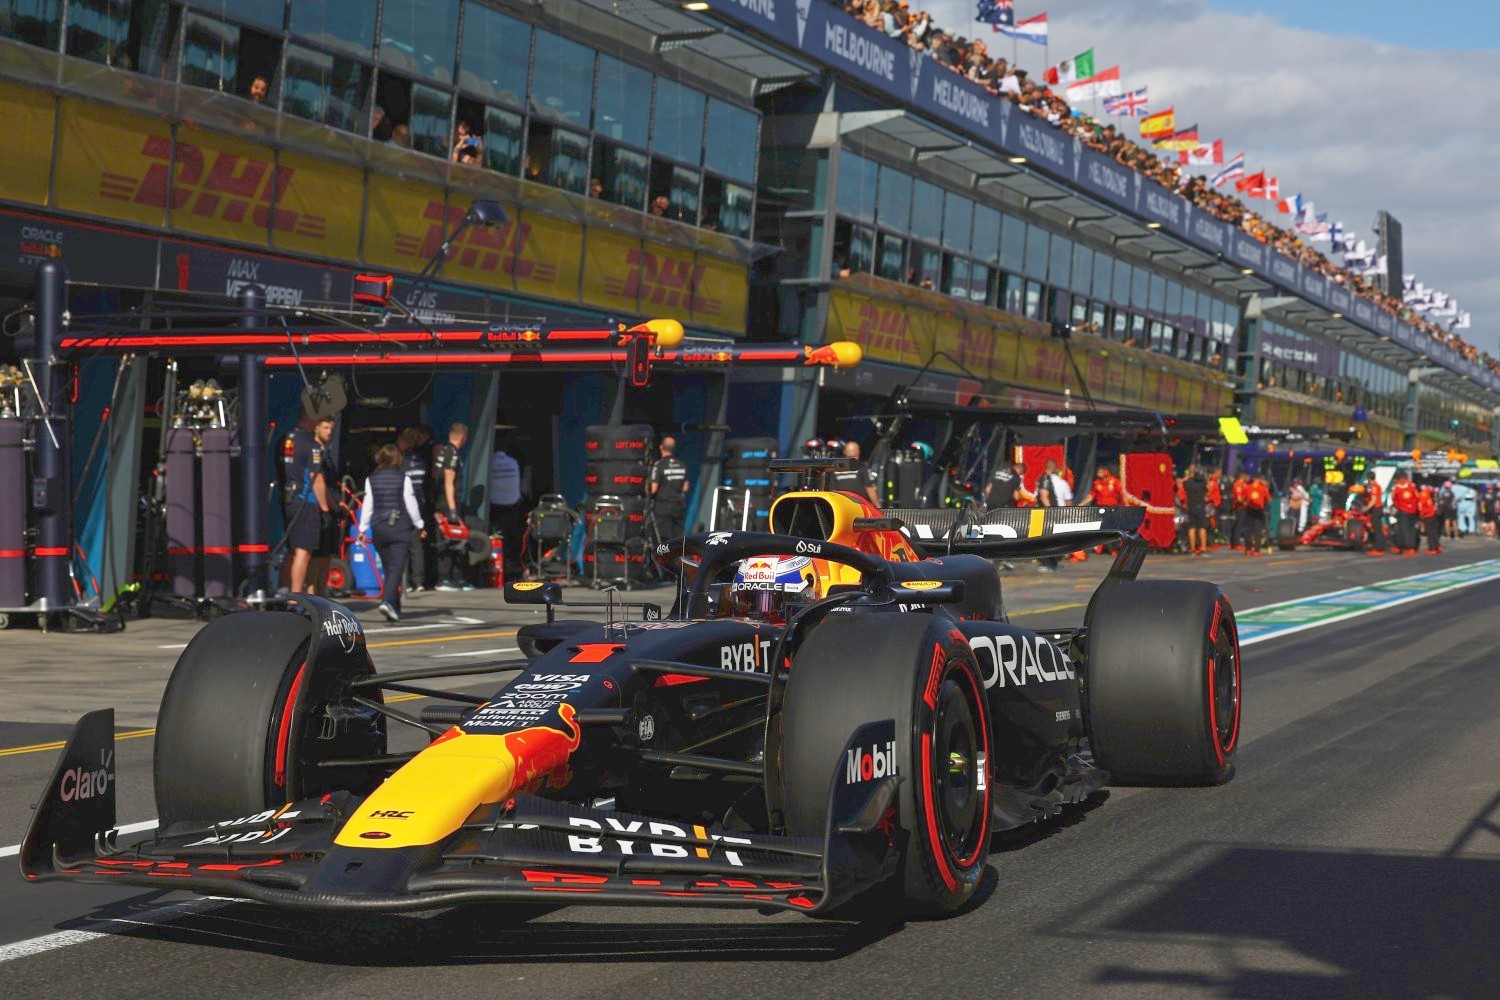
(1405, 499)
(1257, 499)
(1195, 505)
(669, 487)
(447, 480)
(1005, 485)
(1430, 511)
(411, 442)
(1297, 500)
(1237, 519)
(855, 480)
(390, 515)
(1374, 509)
(1052, 490)
(307, 506)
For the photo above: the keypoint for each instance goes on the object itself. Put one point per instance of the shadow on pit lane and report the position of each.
(1375, 925)
(483, 934)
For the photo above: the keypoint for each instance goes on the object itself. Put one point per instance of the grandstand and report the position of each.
(755, 168)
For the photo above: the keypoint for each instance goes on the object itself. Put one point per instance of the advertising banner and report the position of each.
(722, 294)
(93, 253)
(29, 117)
(104, 160)
(318, 206)
(544, 255)
(194, 267)
(405, 222)
(606, 269)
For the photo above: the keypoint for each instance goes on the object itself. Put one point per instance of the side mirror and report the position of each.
(533, 592)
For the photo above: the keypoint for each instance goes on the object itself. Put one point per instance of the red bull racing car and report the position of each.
(835, 710)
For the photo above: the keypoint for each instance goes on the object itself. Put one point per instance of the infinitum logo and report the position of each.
(212, 185)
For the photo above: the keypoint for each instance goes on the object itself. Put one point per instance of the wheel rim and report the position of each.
(960, 799)
(1224, 677)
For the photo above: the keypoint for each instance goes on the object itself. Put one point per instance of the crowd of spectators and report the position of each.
(971, 59)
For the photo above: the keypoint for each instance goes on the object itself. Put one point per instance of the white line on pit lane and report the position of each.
(146, 918)
(173, 645)
(455, 623)
(475, 652)
(150, 824)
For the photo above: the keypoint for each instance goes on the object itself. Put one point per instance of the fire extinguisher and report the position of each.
(497, 562)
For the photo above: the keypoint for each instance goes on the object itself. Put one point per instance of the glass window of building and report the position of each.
(1120, 290)
(1083, 269)
(1034, 300)
(1140, 282)
(430, 111)
(621, 110)
(622, 174)
(504, 139)
(1035, 265)
(856, 194)
(987, 233)
(981, 283)
(324, 88)
(1099, 318)
(562, 87)
(418, 37)
(727, 208)
(731, 140)
(210, 53)
(496, 52)
(1189, 311)
(97, 30)
(1120, 329)
(677, 129)
(35, 22)
(683, 195)
(853, 249)
(1060, 263)
(1012, 244)
(1174, 301)
(894, 197)
(955, 276)
(340, 24)
(1103, 275)
(270, 14)
(1231, 321)
(1138, 330)
(958, 222)
(1013, 294)
(927, 211)
(890, 257)
(557, 156)
(927, 267)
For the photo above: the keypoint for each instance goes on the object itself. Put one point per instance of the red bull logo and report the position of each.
(664, 283)
(213, 185)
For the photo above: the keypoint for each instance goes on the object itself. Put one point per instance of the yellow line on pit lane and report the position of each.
(1043, 611)
(138, 733)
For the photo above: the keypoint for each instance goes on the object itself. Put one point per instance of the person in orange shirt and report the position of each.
(1427, 510)
(1238, 492)
(1404, 498)
(1105, 491)
(1374, 508)
(1214, 498)
(1257, 499)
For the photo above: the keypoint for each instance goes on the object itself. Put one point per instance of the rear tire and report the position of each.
(1286, 535)
(1355, 535)
(340, 576)
(920, 672)
(239, 726)
(1162, 683)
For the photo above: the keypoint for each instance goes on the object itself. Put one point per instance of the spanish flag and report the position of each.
(1159, 126)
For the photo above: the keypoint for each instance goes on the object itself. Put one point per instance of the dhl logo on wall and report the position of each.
(135, 168)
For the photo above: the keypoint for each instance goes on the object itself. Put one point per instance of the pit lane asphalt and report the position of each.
(1356, 852)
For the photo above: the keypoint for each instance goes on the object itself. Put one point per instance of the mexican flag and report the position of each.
(1080, 67)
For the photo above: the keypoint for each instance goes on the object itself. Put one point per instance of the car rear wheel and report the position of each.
(1286, 534)
(246, 722)
(1162, 683)
(1354, 535)
(920, 673)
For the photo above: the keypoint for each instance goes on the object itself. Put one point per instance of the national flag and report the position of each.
(1291, 206)
(996, 12)
(1408, 282)
(1070, 71)
(1032, 29)
(1131, 105)
(1203, 156)
(1250, 180)
(1459, 322)
(1180, 141)
(1309, 223)
(1322, 231)
(1105, 83)
(1257, 185)
(1359, 256)
(1159, 125)
(1340, 238)
(1233, 169)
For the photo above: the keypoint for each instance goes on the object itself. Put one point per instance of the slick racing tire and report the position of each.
(1162, 683)
(622, 443)
(242, 724)
(340, 577)
(1355, 535)
(1286, 535)
(918, 671)
(625, 479)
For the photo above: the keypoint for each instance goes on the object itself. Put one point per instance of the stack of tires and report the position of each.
(616, 479)
(748, 478)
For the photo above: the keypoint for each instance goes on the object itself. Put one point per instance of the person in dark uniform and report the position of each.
(306, 505)
(390, 513)
(669, 488)
(1004, 485)
(447, 480)
(855, 480)
(1195, 506)
(410, 443)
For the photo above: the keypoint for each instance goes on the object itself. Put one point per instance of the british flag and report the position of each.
(1131, 105)
(996, 12)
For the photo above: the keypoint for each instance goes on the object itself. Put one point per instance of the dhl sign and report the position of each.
(663, 284)
(493, 250)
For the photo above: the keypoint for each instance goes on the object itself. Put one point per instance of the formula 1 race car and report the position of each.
(835, 710)
(1344, 529)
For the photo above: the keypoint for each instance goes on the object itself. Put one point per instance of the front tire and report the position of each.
(1162, 683)
(917, 670)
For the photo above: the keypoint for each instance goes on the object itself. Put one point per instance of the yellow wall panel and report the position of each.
(544, 255)
(318, 206)
(405, 223)
(222, 186)
(721, 293)
(29, 116)
(112, 163)
(607, 271)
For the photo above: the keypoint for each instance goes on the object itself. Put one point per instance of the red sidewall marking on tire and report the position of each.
(1213, 712)
(934, 840)
(984, 743)
(284, 731)
(929, 793)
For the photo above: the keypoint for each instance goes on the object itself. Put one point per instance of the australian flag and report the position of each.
(1001, 13)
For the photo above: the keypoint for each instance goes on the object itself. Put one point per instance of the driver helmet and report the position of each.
(764, 586)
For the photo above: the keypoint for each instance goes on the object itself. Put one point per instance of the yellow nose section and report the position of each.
(433, 793)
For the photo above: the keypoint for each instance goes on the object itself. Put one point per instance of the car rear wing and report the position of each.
(1025, 532)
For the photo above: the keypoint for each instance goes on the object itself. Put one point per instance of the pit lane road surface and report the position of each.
(1355, 853)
